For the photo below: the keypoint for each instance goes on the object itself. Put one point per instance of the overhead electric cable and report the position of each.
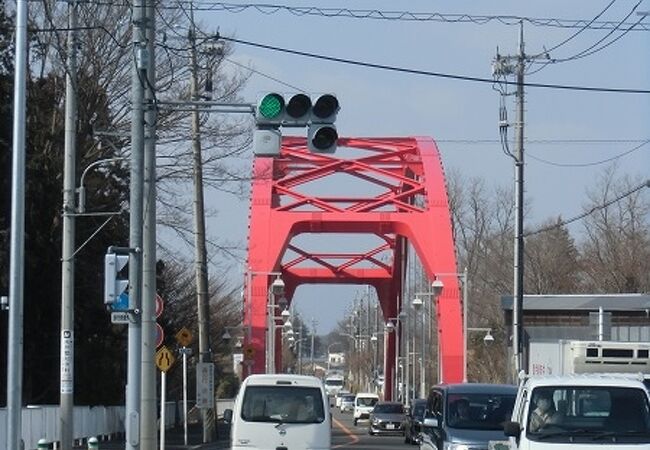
(375, 14)
(590, 211)
(574, 35)
(596, 163)
(430, 73)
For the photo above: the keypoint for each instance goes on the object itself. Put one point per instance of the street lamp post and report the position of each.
(249, 306)
(276, 289)
(417, 305)
(438, 286)
(389, 328)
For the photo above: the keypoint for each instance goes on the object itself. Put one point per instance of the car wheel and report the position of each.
(370, 432)
(355, 422)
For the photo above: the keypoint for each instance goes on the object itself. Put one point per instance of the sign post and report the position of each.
(164, 360)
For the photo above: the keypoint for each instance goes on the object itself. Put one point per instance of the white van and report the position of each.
(276, 411)
(364, 403)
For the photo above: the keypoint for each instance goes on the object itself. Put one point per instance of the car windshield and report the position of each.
(479, 411)
(366, 401)
(333, 382)
(388, 408)
(348, 398)
(282, 404)
(418, 410)
(588, 414)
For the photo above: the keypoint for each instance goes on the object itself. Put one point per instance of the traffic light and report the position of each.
(116, 278)
(296, 110)
(321, 134)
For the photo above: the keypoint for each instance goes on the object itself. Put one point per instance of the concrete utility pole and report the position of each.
(139, 77)
(519, 210)
(66, 394)
(17, 246)
(503, 67)
(148, 400)
(200, 252)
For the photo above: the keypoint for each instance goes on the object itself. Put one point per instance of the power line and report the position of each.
(409, 16)
(596, 163)
(430, 73)
(590, 211)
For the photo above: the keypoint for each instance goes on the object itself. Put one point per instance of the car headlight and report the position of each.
(375, 421)
(452, 446)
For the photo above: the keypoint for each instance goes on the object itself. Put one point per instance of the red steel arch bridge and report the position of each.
(408, 204)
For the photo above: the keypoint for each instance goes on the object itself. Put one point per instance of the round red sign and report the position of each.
(159, 305)
(160, 335)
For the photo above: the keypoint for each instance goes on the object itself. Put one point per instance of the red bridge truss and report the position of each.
(408, 204)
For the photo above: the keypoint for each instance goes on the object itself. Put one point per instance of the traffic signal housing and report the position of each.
(322, 134)
(116, 278)
(317, 113)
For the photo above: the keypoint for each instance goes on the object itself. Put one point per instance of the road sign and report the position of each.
(120, 317)
(159, 305)
(204, 385)
(121, 303)
(160, 335)
(249, 352)
(164, 359)
(184, 337)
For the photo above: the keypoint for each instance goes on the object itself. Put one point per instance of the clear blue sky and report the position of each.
(384, 103)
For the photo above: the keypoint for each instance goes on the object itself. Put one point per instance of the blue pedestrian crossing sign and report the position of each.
(122, 303)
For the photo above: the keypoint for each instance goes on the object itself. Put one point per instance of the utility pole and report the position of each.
(66, 389)
(17, 245)
(148, 399)
(138, 80)
(503, 67)
(519, 209)
(201, 266)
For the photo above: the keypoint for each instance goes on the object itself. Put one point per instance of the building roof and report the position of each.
(586, 302)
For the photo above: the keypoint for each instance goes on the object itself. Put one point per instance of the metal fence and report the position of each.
(102, 422)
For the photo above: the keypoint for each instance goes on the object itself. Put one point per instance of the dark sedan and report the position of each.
(413, 421)
(387, 418)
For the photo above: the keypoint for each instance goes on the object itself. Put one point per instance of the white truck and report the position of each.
(579, 412)
(566, 357)
(334, 383)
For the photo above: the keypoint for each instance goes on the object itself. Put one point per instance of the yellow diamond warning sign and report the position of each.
(184, 337)
(164, 359)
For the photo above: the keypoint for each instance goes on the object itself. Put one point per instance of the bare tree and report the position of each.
(616, 245)
(552, 261)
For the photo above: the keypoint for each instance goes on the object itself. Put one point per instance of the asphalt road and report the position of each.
(347, 436)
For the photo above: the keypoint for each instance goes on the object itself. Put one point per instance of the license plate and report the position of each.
(390, 426)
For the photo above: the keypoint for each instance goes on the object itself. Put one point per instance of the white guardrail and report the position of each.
(102, 422)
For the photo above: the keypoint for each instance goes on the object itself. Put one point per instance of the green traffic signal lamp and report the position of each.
(270, 109)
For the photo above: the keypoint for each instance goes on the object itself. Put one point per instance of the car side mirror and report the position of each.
(512, 429)
(227, 416)
(430, 422)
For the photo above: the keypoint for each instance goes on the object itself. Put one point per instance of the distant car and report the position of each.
(347, 403)
(339, 396)
(413, 421)
(387, 418)
(364, 402)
